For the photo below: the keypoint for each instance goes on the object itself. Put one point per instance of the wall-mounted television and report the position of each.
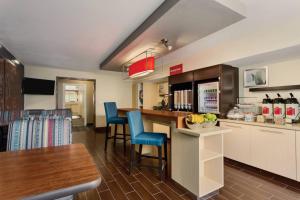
(38, 86)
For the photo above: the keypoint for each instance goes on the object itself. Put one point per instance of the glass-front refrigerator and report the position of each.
(208, 97)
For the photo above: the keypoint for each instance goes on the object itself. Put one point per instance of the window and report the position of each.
(71, 96)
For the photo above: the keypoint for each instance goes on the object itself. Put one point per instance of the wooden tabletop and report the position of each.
(47, 173)
(176, 116)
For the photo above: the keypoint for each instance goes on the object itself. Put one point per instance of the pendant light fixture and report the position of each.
(141, 67)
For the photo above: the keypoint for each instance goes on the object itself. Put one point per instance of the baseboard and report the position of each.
(101, 129)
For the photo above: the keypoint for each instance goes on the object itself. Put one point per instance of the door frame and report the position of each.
(59, 78)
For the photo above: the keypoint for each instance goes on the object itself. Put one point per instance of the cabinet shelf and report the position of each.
(206, 155)
(276, 88)
(208, 185)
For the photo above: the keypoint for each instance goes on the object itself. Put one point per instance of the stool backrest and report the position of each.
(111, 110)
(135, 123)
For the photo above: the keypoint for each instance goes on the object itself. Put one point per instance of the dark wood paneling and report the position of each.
(229, 89)
(13, 87)
(2, 84)
(181, 78)
(207, 73)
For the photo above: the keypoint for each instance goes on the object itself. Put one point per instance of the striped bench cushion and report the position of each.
(29, 134)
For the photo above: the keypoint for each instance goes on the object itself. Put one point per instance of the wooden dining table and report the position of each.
(47, 173)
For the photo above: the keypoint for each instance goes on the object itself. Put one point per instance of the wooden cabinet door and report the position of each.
(2, 85)
(206, 73)
(274, 150)
(237, 142)
(181, 78)
(13, 87)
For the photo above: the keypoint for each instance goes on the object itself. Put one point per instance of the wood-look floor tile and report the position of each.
(187, 197)
(241, 182)
(125, 173)
(161, 196)
(116, 191)
(133, 196)
(147, 184)
(168, 191)
(102, 186)
(126, 187)
(107, 195)
(142, 191)
(106, 174)
(92, 195)
(256, 193)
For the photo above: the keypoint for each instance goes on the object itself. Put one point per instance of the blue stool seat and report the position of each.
(140, 137)
(111, 114)
(118, 120)
(148, 138)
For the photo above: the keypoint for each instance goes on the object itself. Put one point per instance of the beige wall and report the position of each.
(110, 86)
(280, 74)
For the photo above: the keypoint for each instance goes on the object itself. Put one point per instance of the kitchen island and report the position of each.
(197, 163)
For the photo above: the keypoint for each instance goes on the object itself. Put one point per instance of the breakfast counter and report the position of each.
(160, 115)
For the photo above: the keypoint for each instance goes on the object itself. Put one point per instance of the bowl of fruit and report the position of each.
(198, 121)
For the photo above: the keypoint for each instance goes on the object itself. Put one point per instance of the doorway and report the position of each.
(79, 96)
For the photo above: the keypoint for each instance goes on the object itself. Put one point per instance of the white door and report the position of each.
(237, 142)
(274, 150)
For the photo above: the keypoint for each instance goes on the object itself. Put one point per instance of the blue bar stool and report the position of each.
(111, 113)
(140, 137)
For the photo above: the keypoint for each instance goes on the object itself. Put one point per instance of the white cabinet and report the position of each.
(298, 154)
(267, 148)
(237, 142)
(274, 150)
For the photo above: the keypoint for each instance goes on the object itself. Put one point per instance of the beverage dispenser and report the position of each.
(292, 109)
(267, 107)
(279, 106)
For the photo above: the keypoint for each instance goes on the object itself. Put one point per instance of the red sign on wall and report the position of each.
(177, 69)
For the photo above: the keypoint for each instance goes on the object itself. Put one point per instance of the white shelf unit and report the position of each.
(212, 166)
(197, 160)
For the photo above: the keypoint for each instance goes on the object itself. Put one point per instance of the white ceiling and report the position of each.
(186, 22)
(75, 34)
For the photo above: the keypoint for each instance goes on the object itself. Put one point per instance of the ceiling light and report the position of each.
(142, 67)
(165, 42)
(16, 61)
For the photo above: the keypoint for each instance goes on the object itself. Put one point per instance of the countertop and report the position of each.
(159, 113)
(177, 116)
(295, 127)
(204, 131)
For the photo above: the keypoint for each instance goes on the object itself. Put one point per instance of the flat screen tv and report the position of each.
(38, 86)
